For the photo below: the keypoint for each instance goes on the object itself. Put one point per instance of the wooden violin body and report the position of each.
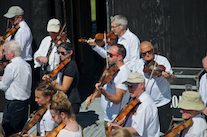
(126, 111)
(179, 128)
(99, 38)
(57, 130)
(149, 66)
(34, 120)
(10, 32)
(58, 68)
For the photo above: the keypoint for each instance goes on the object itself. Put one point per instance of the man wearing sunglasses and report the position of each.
(125, 37)
(114, 93)
(157, 87)
(23, 35)
(46, 57)
(143, 119)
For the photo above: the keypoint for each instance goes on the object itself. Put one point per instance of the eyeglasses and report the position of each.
(149, 52)
(113, 27)
(63, 53)
(111, 55)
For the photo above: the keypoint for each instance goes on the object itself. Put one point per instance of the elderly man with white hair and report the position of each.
(125, 37)
(16, 83)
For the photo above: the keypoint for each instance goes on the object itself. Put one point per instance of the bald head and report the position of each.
(146, 44)
(204, 61)
(146, 50)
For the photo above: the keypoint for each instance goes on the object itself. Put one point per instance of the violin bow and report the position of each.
(152, 72)
(107, 63)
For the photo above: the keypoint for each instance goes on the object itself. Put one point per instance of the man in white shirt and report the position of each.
(23, 35)
(46, 57)
(16, 83)
(203, 86)
(191, 106)
(157, 86)
(125, 37)
(143, 119)
(114, 93)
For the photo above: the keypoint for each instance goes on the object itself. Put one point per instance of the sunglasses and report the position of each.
(149, 52)
(132, 86)
(111, 55)
(13, 18)
(63, 53)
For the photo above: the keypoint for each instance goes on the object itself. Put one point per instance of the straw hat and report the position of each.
(134, 78)
(191, 100)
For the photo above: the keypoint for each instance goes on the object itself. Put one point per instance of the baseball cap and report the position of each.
(53, 25)
(13, 11)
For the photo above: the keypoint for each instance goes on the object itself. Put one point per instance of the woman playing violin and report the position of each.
(61, 111)
(43, 97)
(68, 77)
(157, 86)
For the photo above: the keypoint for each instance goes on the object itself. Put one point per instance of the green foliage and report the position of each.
(93, 9)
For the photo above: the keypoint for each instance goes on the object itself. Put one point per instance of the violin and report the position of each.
(10, 32)
(99, 39)
(106, 77)
(61, 37)
(65, 62)
(179, 128)
(57, 130)
(150, 65)
(123, 114)
(34, 120)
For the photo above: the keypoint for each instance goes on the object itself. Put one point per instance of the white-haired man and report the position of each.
(125, 37)
(191, 106)
(16, 83)
(23, 35)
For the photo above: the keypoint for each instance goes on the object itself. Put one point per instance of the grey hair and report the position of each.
(120, 19)
(13, 46)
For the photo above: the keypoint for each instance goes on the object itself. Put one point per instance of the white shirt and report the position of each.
(67, 133)
(158, 87)
(131, 43)
(24, 37)
(197, 129)
(17, 80)
(45, 123)
(145, 121)
(203, 88)
(54, 58)
(110, 110)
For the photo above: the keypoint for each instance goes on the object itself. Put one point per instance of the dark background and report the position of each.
(176, 28)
